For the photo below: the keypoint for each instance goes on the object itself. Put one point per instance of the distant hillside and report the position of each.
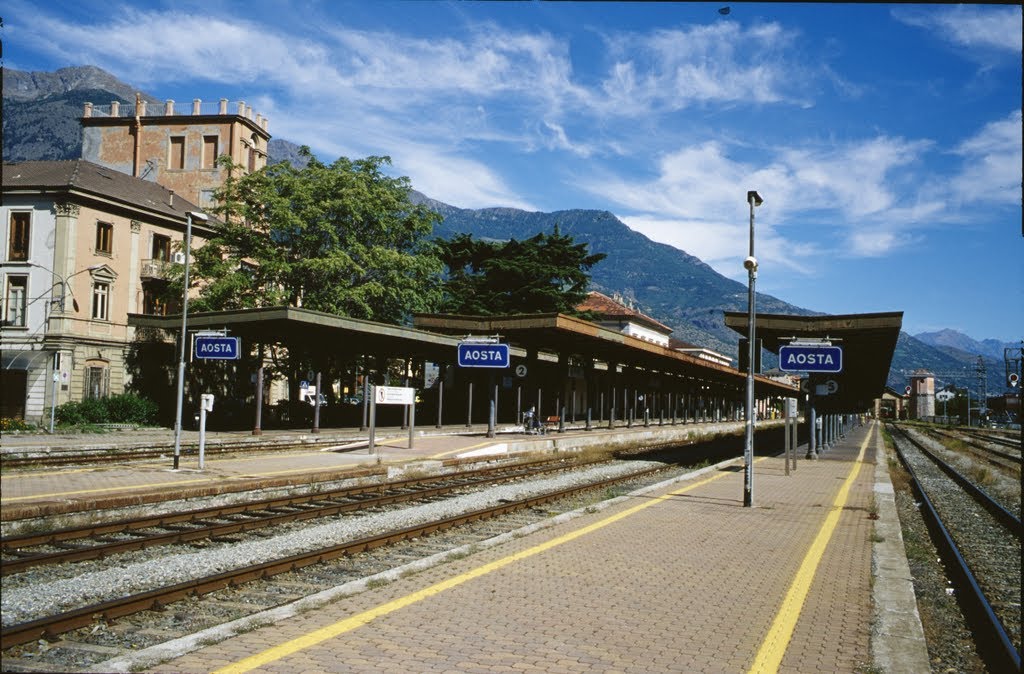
(962, 355)
(666, 283)
(957, 343)
(40, 121)
(20, 85)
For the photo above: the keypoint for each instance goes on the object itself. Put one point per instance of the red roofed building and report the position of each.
(615, 315)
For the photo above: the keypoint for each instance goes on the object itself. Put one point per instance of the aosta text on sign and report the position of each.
(215, 347)
(800, 359)
(483, 354)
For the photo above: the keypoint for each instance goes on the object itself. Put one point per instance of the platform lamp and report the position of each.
(750, 264)
(189, 217)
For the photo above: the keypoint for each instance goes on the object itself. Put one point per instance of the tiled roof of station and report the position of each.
(607, 308)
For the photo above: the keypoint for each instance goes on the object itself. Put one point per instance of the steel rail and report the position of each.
(994, 644)
(995, 438)
(52, 626)
(1007, 519)
(321, 505)
(972, 441)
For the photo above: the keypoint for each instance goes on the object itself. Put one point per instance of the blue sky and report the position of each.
(884, 139)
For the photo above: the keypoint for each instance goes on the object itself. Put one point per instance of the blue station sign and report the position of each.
(483, 355)
(218, 348)
(811, 358)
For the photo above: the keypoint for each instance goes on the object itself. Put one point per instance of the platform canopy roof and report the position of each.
(312, 330)
(435, 337)
(868, 342)
(562, 334)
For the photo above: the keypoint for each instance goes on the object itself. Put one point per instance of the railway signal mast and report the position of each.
(982, 375)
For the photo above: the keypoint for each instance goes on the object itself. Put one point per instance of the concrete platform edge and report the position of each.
(897, 638)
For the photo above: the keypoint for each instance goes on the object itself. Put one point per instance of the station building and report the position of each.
(88, 242)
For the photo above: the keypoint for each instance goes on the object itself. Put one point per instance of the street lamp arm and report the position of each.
(65, 289)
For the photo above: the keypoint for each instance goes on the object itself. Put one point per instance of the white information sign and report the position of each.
(394, 395)
(791, 408)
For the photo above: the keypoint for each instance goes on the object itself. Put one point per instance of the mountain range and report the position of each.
(40, 121)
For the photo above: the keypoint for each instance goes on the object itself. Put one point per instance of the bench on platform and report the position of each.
(552, 421)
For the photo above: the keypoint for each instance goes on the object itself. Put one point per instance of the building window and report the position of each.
(16, 301)
(210, 152)
(161, 248)
(104, 237)
(100, 301)
(176, 156)
(152, 302)
(97, 381)
(20, 227)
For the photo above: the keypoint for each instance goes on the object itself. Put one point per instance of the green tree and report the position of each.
(544, 274)
(340, 238)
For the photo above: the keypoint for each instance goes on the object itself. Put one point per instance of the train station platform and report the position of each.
(135, 468)
(676, 578)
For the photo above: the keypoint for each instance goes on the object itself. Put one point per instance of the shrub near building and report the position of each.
(126, 408)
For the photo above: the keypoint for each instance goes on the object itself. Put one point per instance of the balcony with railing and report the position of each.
(154, 270)
(167, 109)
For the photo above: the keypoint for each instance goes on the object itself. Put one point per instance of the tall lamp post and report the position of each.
(189, 217)
(750, 264)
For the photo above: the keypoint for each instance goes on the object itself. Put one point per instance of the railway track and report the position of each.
(1008, 461)
(100, 540)
(996, 437)
(105, 455)
(980, 543)
(99, 617)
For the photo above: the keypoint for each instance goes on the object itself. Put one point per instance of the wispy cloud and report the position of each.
(371, 91)
(674, 69)
(992, 158)
(439, 173)
(862, 192)
(975, 27)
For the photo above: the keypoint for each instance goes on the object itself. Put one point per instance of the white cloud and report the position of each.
(455, 180)
(975, 27)
(876, 242)
(697, 202)
(723, 245)
(673, 69)
(992, 163)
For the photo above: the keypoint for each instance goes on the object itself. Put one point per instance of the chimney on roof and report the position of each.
(170, 199)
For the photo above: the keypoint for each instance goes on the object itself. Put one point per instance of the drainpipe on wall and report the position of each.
(136, 131)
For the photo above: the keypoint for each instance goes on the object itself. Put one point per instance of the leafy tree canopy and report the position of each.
(340, 238)
(543, 274)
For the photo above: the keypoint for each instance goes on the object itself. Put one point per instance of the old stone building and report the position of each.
(89, 241)
(178, 151)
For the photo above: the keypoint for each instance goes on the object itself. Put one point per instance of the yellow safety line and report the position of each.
(358, 620)
(773, 648)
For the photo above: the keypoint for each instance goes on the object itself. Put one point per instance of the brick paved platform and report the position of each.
(678, 579)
